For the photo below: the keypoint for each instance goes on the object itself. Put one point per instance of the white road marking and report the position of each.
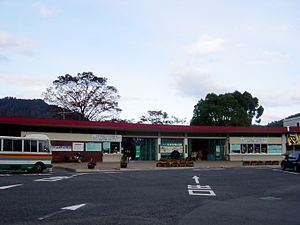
(72, 207)
(38, 174)
(5, 175)
(58, 178)
(111, 172)
(202, 192)
(199, 189)
(196, 179)
(10, 186)
(284, 171)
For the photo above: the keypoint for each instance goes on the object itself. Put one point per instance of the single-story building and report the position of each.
(106, 141)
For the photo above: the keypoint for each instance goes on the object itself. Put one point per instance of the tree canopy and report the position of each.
(160, 117)
(230, 109)
(86, 94)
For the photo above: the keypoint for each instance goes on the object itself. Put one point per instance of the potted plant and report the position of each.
(123, 163)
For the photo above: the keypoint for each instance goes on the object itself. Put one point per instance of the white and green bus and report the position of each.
(30, 153)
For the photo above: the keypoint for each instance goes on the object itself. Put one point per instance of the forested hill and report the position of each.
(37, 108)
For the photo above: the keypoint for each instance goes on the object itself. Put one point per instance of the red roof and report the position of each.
(43, 121)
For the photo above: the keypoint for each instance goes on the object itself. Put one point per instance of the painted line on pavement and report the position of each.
(72, 208)
(278, 170)
(10, 186)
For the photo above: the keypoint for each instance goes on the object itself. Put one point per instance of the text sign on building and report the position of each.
(168, 147)
(93, 146)
(78, 146)
(61, 148)
(293, 139)
(105, 138)
(254, 140)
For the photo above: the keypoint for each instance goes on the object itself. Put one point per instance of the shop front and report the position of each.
(96, 147)
(256, 148)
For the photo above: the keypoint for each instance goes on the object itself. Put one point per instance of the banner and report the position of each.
(168, 147)
(137, 151)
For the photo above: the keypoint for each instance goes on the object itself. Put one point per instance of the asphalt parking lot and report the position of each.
(187, 196)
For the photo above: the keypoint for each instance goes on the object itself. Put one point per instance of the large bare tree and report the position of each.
(86, 94)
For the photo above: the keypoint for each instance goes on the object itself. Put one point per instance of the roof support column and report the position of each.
(158, 146)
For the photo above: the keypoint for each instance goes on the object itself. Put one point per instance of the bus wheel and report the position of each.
(38, 168)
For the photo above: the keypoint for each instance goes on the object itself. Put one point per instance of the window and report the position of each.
(257, 148)
(43, 146)
(17, 145)
(250, 148)
(0, 144)
(26, 145)
(7, 145)
(263, 148)
(33, 145)
(244, 148)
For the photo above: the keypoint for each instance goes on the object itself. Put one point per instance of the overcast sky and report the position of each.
(160, 54)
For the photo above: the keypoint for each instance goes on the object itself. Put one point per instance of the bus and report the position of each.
(29, 153)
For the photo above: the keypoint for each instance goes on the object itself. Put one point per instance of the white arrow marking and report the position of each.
(10, 186)
(73, 207)
(196, 178)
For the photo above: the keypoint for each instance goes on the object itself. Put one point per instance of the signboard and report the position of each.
(218, 151)
(78, 146)
(93, 146)
(293, 139)
(61, 148)
(274, 149)
(254, 140)
(105, 138)
(168, 147)
(137, 151)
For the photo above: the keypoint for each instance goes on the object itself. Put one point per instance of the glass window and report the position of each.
(244, 148)
(26, 145)
(43, 146)
(7, 145)
(257, 148)
(33, 146)
(17, 145)
(264, 148)
(250, 148)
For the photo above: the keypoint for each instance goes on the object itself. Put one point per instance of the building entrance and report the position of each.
(207, 149)
(140, 148)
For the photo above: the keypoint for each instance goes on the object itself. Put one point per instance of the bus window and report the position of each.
(43, 146)
(7, 145)
(26, 145)
(33, 146)
(17, 145)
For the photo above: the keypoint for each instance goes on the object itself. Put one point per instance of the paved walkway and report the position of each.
(142, 165)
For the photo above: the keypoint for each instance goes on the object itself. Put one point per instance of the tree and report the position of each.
(160, 117)
(86, 94)
(230, 109)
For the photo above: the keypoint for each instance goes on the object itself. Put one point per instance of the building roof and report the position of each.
(42, 122)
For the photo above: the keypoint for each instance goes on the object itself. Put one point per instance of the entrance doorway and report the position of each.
(207, 149)
(140, 148)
